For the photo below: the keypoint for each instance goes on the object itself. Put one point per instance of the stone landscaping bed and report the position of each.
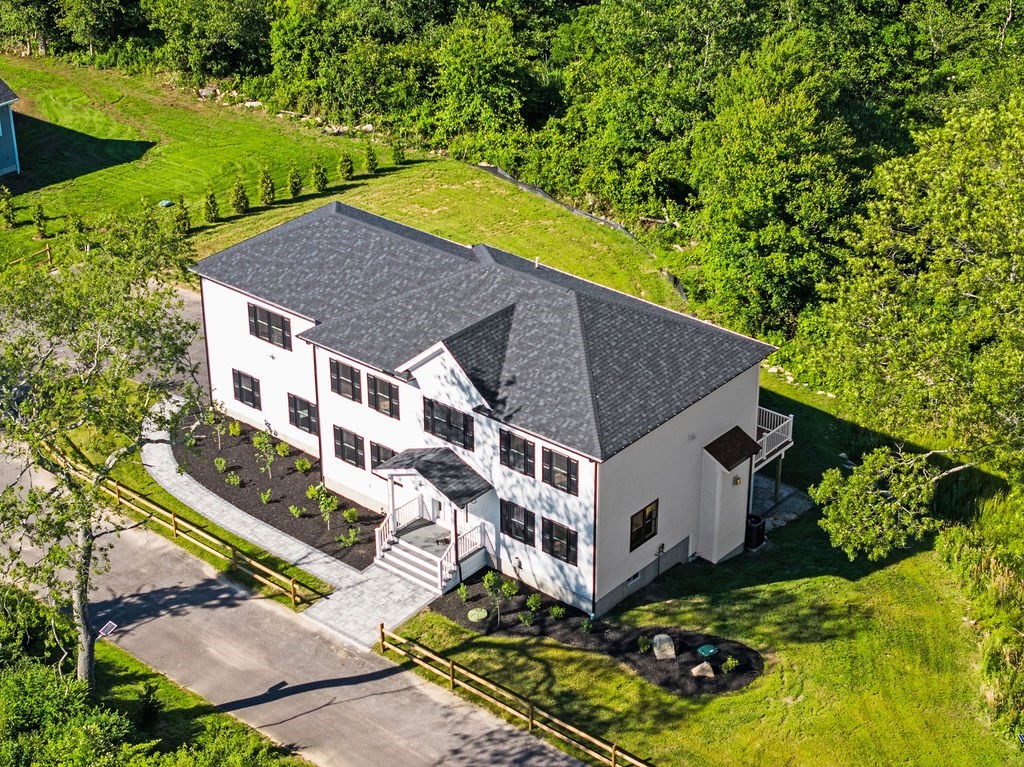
(287, 487)
(620, 642)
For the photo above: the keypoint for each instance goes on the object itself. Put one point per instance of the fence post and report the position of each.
(382, 648)
(615, 754)
(234, 558)
(451, 675)
(117, 492)
(531, 716)
(49, 255)
(295, 596)
(174, 525)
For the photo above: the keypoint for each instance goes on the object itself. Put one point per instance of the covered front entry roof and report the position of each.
(452, 476)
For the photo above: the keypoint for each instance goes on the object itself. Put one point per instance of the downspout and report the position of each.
(455, 541)
(320, 426)
(14, 140)
(593, 552)
(750, 488)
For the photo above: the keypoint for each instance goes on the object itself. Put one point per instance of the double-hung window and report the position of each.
(346, 381)
(558, 540)
(516, 452)
(270, 327)
(448, 423)
(379, 454)
(247, 389)
(303, 414)
(560, 471)
(643, 525)
(382, 395)
(348, 446)
(518, 522)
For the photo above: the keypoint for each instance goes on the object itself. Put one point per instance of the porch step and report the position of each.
(412, 564)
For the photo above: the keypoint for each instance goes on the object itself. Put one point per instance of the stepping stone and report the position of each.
(704, 669)
(664, 647)
(477, 614)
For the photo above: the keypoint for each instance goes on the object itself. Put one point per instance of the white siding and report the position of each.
(280, 371)
(667, 465)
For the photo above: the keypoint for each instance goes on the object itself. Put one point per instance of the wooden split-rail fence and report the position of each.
(458, 676)
(35, 257)
(181, 528)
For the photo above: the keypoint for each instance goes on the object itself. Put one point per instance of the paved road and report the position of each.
(284, 675)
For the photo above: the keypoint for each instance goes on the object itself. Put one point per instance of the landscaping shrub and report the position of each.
(346, 168)
(294, 181)
(235, 429)
(263, 444)
(643, 643)
(731, 664)
(283, 449)
(509, 588)
(233, 479)
(265, 495)
(350, 538)
(370, 159)
(556, 612)
(318, 175)
(220, 464)
(533, 602)
(211, 210)
(303, 464)
(297, 511)
(239, 198)
(266, 187)
(350, 515)
(397, 154)
(527, 617)
(7, 208)
(181, 221)
(586, 625)
(463, 592)
(39, 221)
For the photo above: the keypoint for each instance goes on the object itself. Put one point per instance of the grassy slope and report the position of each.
(869, 666)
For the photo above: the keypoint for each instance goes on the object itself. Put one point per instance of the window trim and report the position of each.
(571, 471)
(435, 412)
(524, 531)
(549, 542)
(373, 395)
(355, 383)
(647, 528)
(375, 460)
(358, 445)
(296, 417)
(506, 455)
(257, 323)
(254, 389)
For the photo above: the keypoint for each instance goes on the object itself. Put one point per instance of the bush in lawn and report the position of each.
(350, 515)
(303, 464)
(150, 705)
(181, 221)
(239, 198)
(283, 449)
(318, 175)
(297, 511)
(397, 153)
(233, 479)
(370, 159)
(263, 444)
(266, 187)
(266, 494)
(235, 429)
(39, 221)
(30, 629)
(7, 208)
(346, 168)
(294, 181)
(211, 210)
(220, 464)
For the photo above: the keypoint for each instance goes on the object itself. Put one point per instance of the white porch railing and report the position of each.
(774, 435)
(395, 520)
(468, 542)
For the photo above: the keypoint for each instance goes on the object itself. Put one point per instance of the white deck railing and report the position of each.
(775, 434)
(468, 542)
(385, 533)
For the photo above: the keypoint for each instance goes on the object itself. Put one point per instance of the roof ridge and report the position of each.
(594, 404)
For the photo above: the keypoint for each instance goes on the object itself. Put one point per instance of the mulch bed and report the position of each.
(619, 642)
(289, 488)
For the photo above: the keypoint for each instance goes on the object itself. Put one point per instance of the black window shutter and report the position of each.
(253, 323)
(394, 400)
(468, 424)
(573, 472)
(504, 438)
(572, 547)
(530, 532)
(256, 393)
(546, 465)
(506, 524)
(528, 460)
(359, 452)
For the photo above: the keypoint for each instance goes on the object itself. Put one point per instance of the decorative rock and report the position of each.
(253, 104)
(477, 614)
(207, 93)
(664, 647)
(703, 669)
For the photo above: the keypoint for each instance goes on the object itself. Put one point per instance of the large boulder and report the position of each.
(664, 647)
(703, 669)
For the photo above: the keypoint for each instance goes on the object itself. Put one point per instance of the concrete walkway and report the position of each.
(361, 599)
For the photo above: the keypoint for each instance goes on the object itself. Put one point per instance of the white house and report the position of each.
(491, 408)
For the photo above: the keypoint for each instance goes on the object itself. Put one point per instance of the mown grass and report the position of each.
(183, 715)
(92, 448)
(95, 142)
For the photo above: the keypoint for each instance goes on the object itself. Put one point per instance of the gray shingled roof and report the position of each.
(444, 470)
(6, 94)
(579, 364)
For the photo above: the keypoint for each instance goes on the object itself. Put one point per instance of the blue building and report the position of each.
(8, 143)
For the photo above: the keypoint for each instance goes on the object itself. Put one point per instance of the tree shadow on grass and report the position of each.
(51, 154)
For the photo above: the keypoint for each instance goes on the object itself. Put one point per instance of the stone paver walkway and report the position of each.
(361, 599)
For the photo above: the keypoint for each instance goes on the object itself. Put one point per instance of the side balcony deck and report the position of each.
(774, 436)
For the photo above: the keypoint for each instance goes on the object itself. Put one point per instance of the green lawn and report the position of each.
(95, 142)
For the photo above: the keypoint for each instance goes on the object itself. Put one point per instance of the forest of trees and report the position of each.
(843, 178)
